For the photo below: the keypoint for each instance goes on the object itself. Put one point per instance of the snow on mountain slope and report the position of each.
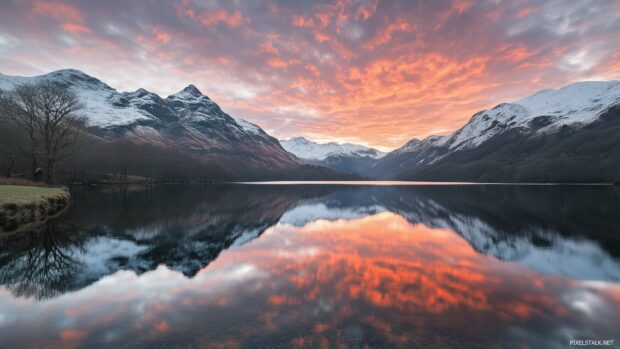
(544, 111)
(248, 126)
(106, 107)
(418, 145)
(103, 105)
(309, 150)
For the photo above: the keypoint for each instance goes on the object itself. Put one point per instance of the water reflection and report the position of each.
(40, 263)
(334, 266)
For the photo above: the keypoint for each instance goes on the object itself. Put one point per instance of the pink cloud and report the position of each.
(57, 10)
(379, 72)
(233, 19)
(75, 28)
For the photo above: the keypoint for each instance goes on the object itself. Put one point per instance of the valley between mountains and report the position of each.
(571, 134)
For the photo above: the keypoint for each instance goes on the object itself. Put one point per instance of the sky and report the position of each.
(373, 72)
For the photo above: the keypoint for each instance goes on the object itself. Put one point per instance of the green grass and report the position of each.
(23, 195)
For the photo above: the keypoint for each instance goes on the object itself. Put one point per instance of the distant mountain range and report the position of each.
(567, 135)
(347, 157)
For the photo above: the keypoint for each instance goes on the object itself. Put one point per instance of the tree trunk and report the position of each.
(34, 146)
(35, 166)
(50, 170)
(10, 167)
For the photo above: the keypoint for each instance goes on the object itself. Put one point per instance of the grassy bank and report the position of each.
(22, 205)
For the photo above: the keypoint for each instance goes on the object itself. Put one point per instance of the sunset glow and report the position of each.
(376, 272)
(372, 72)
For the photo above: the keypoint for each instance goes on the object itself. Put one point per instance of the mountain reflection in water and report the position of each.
(317, 266)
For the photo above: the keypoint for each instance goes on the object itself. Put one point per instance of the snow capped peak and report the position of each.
(191, 89)
(309, 150)
(141, 93)
(411, 144)
(190, 93)
(68, 72)
(74, 78)
(299, 140)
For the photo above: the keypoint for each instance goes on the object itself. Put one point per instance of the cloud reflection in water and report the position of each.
(406, 272)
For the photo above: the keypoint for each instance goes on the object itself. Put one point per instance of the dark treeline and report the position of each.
(94, 159)
(122, 160)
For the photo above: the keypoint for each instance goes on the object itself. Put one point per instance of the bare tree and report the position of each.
(58, 122)
(47, 113)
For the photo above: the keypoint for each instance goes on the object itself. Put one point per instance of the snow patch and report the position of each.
(309, 150)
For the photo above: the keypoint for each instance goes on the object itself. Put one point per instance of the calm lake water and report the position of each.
(317, 266)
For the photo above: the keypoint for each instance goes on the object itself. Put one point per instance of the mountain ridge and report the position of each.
(569, 134)
(186, 120)
(529, 132)
(342, 157)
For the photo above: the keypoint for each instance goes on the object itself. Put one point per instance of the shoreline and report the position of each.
(352, 183)
(29, 206)
(423, 183)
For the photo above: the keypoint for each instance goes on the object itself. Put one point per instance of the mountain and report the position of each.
(187, 120)
(570, 134)
(346, 158)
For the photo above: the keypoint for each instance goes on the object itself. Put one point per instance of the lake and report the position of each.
(317, 266)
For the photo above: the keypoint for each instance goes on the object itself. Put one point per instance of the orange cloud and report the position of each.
(161, 35)
(268, 46)
(319, 37)
(233, 19)
(366, 10)
(461, 6)
(313, 69)
(75, 28)
(526, 11)
(302, 22)
(57, 10)
(386, 34)
(277, 63)
(518, 53)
